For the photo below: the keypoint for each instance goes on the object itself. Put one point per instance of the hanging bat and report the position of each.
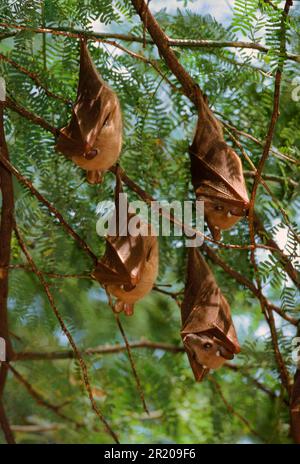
(217, 174)
(93, 137)
(129, 266)
(295, 408)
(208, 333)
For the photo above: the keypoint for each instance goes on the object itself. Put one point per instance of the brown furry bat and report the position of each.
(217, 174)
(207, 332)
(93, 137)
(129, 266)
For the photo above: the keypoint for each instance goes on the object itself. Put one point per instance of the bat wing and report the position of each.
(204, 307)
(125, 255)
(199, 371)
(94, 103)
(122, 263)
(200, 288)
(215, 168)
(218, 173)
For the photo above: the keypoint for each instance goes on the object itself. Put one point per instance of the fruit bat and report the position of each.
(295, 408)
(208, 334)
(217, 174)
(93, 137)
(129, 266)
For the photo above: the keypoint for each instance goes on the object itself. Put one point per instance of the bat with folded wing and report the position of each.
(129, 266)
(93, 137)
(217, 174)
(208, 333)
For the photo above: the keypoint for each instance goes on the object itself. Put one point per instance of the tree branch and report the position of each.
(271, 130)
(181, 43)
(102, 349)
(283, 372)
(10, 103)
(118, 348)
(189, 86)
(273, 178)
(5, 426)
(6, 228)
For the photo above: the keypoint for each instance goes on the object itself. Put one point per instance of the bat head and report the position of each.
(221, 215)
(206, 350)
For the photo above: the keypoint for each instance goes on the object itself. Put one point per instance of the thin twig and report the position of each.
(142, 58)
(271, 130)
(118, 348)
(37, 428)
(273, 178)
(130, 357)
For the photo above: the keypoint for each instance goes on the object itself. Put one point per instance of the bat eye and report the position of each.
(207, 345)
(91, 154)
(219, 208)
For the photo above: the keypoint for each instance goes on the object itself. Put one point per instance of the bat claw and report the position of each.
(94, 177)
(128, 309)
(118, 307)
